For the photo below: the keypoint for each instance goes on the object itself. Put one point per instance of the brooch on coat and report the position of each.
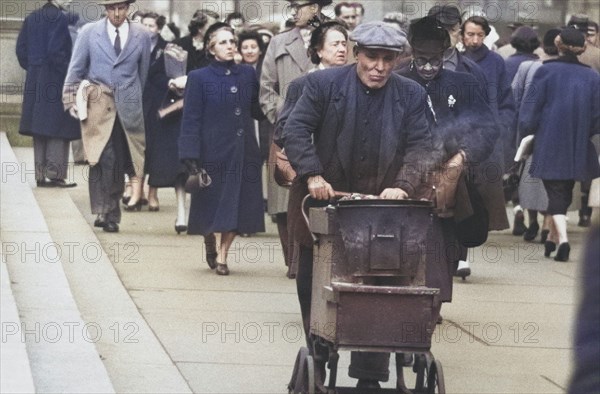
(451, 101)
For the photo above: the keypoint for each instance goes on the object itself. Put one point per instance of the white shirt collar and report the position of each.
(123, 32)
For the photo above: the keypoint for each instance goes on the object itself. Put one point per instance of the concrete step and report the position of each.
(59, 344)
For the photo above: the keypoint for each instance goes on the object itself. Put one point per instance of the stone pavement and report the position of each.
(161, 321)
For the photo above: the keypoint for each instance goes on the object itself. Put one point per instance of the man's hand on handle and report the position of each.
(319, 188)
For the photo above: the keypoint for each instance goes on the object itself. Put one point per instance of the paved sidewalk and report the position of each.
(507, 331)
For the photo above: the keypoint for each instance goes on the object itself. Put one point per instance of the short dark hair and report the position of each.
(360, 7)
(525, 40)
(477, 20)
(160, 20)
(235, 15)
(317, 38)
(338, 7)
(251, 35)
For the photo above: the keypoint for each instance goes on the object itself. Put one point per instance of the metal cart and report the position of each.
(368, 289)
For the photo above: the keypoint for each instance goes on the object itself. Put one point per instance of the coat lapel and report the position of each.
(104, 40)
(130, 44)
(295, 47)
(390, 137)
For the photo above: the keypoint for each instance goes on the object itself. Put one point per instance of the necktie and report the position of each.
(117, 43)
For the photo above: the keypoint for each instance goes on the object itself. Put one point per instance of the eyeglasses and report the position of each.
(433, 62)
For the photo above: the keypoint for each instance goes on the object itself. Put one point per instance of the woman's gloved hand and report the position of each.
(191, 165)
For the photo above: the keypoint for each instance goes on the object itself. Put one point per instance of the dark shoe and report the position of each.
(368, 384)
(144, 201)
(111, 227)
(222, 269)
(153, 208)
(544, 236)
(211, 260)
(180, 228)
(41, 183)
(584, 221)
(519, 227)
(549, 247)
(125, 199)
(135, 207)
(99, 222)
(563, 252)
(60, 183)
(531, 232)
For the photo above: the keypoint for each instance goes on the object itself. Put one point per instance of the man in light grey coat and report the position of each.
(113, 55)
(286, 59)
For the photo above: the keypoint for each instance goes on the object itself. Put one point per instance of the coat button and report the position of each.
(238, 111)
(234, 89)
(240, 132)
(227, 72)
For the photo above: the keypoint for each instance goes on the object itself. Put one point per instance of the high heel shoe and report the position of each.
(222, 269)
(135, 207)
(179, 228)
(563, 252)
(544, 236)
(549, 247)
(211, 260)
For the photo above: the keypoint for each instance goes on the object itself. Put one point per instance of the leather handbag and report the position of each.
(283, 172)
(199, 181)
(472, 231)
(171, 105)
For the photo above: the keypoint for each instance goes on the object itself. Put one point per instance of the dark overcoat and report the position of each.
(316, 110)
(218, 130)
(162, 156)
(44, 50)
(562, 110)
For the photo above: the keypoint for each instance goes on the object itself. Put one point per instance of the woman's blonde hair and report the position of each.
(210, 39)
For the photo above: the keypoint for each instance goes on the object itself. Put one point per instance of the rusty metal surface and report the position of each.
(369, 275)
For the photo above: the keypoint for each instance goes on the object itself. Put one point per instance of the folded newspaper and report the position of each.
(525, 148)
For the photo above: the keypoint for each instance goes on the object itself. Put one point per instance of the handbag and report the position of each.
(283, 172)
(171, 105)
(199, 181)
(472, 231)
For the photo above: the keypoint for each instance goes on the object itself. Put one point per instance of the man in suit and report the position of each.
(112, 56)
(376, 151)
(286, 59)
(44, 50)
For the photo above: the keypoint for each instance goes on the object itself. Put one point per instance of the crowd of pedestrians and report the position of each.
(213, 106)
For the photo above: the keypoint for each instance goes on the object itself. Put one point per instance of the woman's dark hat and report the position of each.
(213, 28)
(573, 37)
(447, 15)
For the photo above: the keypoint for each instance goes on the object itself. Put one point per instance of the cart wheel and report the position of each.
(435, 379)
(310, 372)
(298, 382)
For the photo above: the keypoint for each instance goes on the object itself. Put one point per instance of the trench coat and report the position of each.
(43, 49)
(563, 112)
(125, 75)
(286, 59)
(217, 130)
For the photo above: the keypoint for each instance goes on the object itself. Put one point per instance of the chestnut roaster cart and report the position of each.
(368, 289)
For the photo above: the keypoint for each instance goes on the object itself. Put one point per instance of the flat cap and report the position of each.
(379, 35)
(447, 15)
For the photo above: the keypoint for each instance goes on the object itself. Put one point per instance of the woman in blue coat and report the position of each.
(562, 110)
(217, 134)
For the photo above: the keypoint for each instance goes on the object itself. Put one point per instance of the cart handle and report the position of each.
(304, 208)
